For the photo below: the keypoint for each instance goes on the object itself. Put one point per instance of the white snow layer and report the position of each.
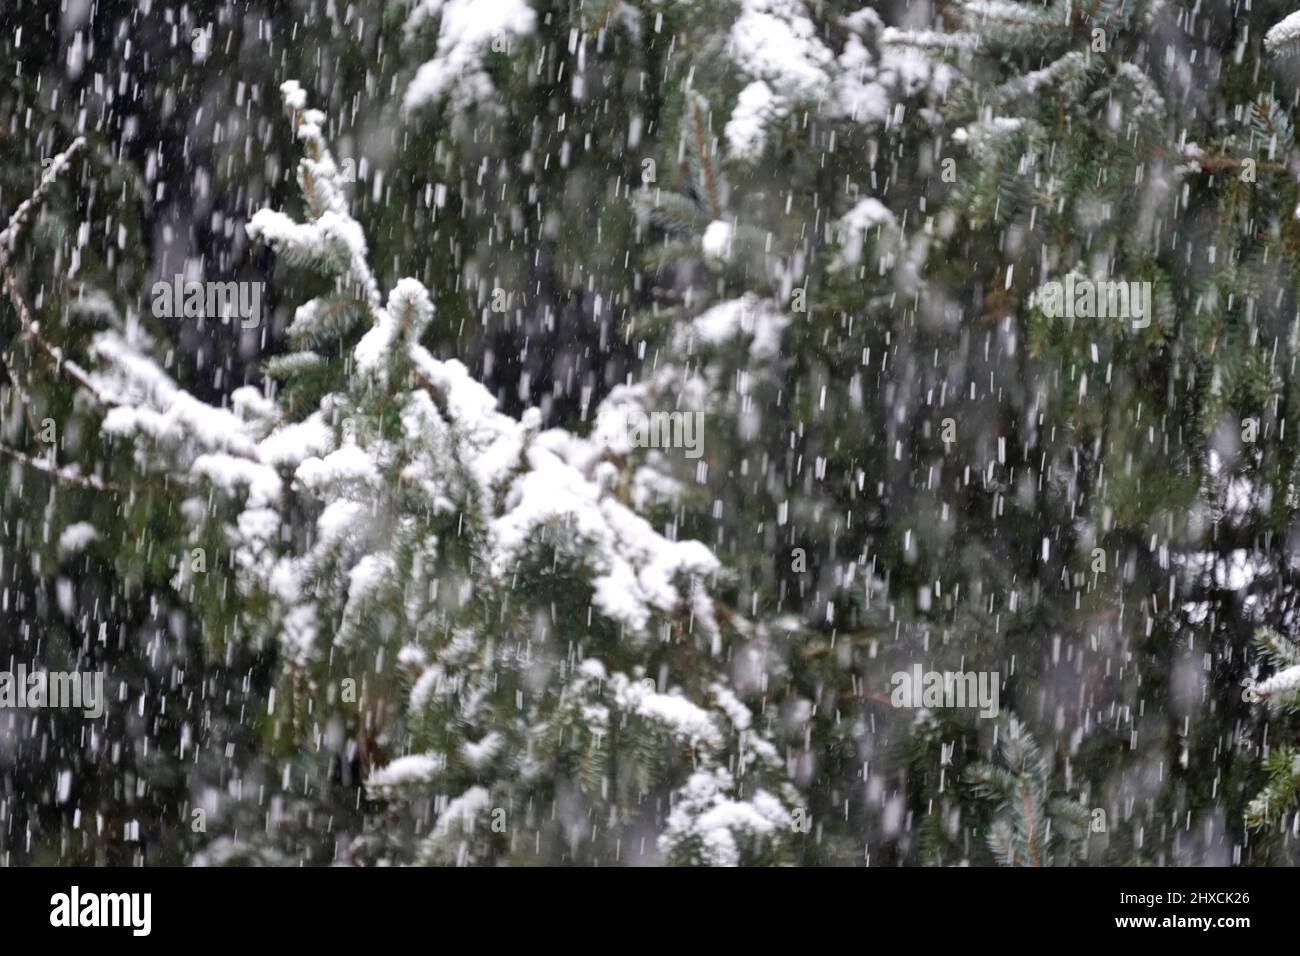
(467, 31)
(776, 46)
(1283, 32)
(77, 537)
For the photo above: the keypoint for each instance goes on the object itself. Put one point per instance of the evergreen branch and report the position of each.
(1282, 690)
(1271, 125)
(1014, 24)
(1000, 841)
(675, 212)
(1277, 648)
(1020, 791)
(1218, 163)
(1282, 790)
(1104, 12)
(1283, 38)
(1004, 13)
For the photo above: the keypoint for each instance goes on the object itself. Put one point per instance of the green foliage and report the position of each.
(1281, 793)
(1030, 827)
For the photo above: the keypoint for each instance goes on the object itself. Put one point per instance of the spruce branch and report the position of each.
(1106, 13)
(1271, 126)
(1281, 792)
(1028, 821)
(1283, 38)
(447, 487)
(1282, 689)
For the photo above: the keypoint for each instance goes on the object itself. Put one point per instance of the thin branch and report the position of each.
(701, 148)
(49, 468)
(1214, 162)
(1029, 825)
(9, 234)
(24, 399)
(32, 331)
(599, 21)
